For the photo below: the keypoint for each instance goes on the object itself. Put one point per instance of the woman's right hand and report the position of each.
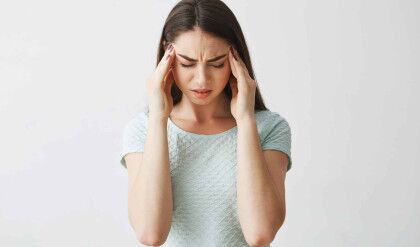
(159, 86)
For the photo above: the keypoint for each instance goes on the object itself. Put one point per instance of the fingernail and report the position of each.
(169, 48)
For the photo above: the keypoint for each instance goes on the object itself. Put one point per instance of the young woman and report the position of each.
(207, 161)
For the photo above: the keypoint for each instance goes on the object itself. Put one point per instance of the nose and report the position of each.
(202, 76)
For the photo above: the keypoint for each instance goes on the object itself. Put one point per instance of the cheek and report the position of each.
(181, 77)
(223, 75)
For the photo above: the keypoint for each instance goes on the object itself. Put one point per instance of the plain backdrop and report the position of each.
(345, 74)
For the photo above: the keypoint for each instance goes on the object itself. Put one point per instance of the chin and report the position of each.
(200, 101)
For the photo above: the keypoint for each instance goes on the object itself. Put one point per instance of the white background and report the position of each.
(345, 74)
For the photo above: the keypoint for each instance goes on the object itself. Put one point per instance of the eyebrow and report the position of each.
(195, 60)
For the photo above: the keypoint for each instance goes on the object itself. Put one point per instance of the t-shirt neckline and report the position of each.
(200, 135)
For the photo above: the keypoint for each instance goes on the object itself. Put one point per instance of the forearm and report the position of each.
(260, 209)
(150, 197)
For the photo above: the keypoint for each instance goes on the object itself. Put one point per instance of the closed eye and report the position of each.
(184, 65)
(216, 66)
(219, 66)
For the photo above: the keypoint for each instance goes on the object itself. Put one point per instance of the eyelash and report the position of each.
(216, 66)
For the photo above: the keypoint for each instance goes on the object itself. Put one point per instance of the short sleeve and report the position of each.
(277, 136)
(134, 136)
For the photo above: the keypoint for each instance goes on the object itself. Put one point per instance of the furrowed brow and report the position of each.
(195, 60)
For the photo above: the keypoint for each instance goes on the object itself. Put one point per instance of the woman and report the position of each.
(207, 161)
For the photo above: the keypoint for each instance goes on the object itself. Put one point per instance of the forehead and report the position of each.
(196, 42)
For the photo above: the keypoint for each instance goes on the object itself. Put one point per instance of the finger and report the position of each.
(240, 61)
(238, 69)
(232, 63)
(165, 63)
(240, 65)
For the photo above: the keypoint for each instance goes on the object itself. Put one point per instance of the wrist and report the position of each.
(157, 118)
(246, 119)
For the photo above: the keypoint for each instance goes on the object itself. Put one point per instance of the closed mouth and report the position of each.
(201, 91)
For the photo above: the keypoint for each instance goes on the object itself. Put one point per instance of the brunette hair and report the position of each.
(214, 17)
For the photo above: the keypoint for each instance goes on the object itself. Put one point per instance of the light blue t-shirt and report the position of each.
(203, 177)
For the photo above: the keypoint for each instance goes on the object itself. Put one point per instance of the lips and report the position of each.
(201, 95)
(201, 90)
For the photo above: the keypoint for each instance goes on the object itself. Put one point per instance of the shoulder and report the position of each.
(275, 133)
(271, 123)
(266, 118)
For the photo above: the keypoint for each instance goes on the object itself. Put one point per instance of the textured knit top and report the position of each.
(203, 177)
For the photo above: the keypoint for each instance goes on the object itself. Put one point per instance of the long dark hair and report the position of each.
(214, 17)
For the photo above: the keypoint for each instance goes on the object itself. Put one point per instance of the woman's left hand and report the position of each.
(243, 88)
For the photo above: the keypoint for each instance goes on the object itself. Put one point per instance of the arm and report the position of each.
(150, 190)
(261, 205)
